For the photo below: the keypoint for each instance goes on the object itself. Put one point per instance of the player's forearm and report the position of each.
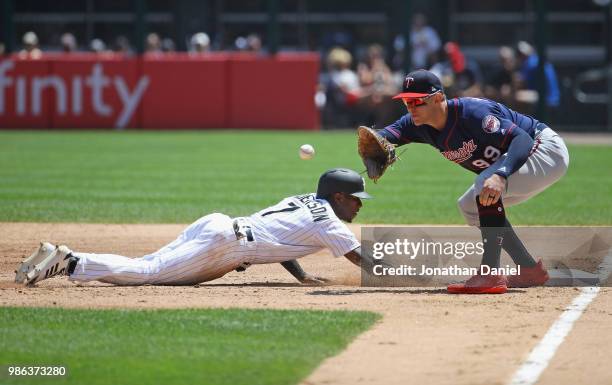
(354, 256)
(359, 259)
(517, 154)
(367, 262)
(392, 134)
(295, 269)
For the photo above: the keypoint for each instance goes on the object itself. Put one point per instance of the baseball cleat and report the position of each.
(480, 284)
(44, 250)
(55, 264)
(530, 276)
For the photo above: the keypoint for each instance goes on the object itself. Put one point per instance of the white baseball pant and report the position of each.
(545, 166)
(206, 250)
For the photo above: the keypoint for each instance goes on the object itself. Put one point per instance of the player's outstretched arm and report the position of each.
(358, 259)
(296, 270)
(354, 256)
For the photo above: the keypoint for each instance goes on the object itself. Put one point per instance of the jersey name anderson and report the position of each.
(316, 208)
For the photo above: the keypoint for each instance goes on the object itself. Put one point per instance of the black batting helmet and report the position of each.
(341, 180)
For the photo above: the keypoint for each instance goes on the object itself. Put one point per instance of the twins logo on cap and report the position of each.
(490, 124)
(408, 81)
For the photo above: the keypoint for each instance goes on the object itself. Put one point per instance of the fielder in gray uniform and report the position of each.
(217, 244)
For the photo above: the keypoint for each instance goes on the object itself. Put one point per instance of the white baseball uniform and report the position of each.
(217, 244)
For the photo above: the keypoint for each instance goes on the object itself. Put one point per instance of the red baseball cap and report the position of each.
(418, 84)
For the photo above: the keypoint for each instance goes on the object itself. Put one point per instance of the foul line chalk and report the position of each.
(540, 356)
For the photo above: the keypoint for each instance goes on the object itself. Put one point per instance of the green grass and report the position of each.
(176, 177)
(191, 346)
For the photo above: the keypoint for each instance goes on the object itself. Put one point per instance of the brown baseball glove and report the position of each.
(376, 152)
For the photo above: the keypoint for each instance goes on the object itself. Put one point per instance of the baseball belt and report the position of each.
(242, 228)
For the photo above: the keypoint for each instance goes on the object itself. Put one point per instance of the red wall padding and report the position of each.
(186, 92)
(274, 93)
(164, 91)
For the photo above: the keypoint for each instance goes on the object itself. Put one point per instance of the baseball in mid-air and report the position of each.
(306, 151)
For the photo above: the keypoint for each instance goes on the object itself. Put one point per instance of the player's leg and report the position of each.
(210, 253)
(493, 227)
(533, 272)
(511, 243)
(544, 167)
(189, 233)
(491, 220)
(204, 251)
(547, 164)
(85, 267)
(112, 268)
(467, 207)
(192, 262)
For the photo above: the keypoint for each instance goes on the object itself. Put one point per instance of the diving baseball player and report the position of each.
(217, 244)
(515, 156)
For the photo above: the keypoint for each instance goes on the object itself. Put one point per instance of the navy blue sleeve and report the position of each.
(517, 154)
(401, 131)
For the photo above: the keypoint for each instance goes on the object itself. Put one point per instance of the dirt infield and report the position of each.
(425, 336)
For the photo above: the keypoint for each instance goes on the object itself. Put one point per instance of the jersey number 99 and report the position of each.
(491, 154)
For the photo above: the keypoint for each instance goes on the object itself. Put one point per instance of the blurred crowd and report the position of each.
(198, 43)
(357, 92)
(352, 92)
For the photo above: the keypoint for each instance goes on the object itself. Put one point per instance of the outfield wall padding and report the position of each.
(221, 90)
